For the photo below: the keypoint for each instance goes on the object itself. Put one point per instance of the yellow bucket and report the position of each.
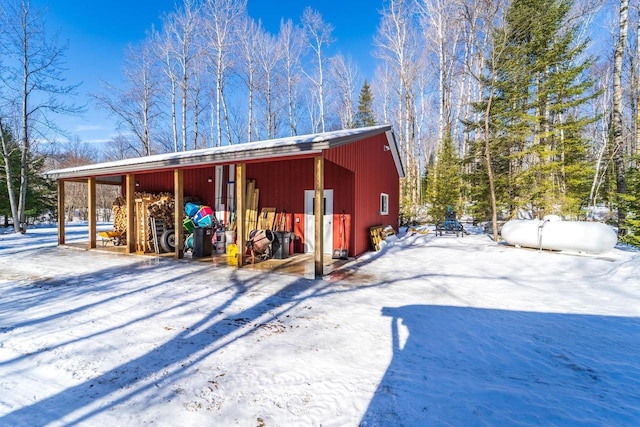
(232, 254)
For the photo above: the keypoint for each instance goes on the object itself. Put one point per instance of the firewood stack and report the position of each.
(159, 206)
(120, 214)
(162, 208)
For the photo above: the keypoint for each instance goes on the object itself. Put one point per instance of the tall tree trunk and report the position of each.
(636, 91)
(618, 137)
(487, 156)
(174, 119)
(185, 93)
(250, 107)
(219, 77)
(24, 157)
(321, 91)
(226, 120)
(196, 116)
(6, 155)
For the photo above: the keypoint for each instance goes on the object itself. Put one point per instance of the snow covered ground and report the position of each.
(428, 331)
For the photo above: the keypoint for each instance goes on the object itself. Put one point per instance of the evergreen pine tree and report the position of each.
(364, 115)
(444, 180)
(41, 192)
(631, 202)
(536, 129)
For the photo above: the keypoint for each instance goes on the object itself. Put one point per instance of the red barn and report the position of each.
(356, 172)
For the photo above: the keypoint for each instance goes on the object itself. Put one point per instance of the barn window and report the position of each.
(384, 204)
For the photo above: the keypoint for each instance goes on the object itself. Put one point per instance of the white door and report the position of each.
(310, 224)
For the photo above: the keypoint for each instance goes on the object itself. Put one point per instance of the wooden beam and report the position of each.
(178, 188)
(318, 212)
(241, 188)
(130, 188)
(91, 199)
(61, 213)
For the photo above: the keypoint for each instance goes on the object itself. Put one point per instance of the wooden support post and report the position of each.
(178, 188)
(130, 185)
(318, 213)
(91, 199)
(241, 188)
(61, 213)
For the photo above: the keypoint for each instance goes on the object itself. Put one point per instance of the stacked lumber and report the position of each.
(281, 223)
(251, 210)
(267, 219)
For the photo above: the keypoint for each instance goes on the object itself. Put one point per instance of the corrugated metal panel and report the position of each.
(196, 183)
(342, 181)
(158, 182)
(376, 173)
(282, 185)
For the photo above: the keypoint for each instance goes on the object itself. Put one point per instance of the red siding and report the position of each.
(376, 173)
(282, 185)
(196, 183)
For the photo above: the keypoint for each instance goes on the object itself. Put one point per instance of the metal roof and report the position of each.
(281, 147)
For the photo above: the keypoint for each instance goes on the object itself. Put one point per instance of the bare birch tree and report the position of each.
(382, 92)
(440, 23)
(269, 57)
(184, 50)
(248, 32)
(617, 111)
(135, 105)
(33, 87)
(494, 55)
(636, 87)
(163, 47)
(344, 79)
(292, 42)
(599, 130)
(7, 153)
(397, 46)
(220, 18)
(319, 37)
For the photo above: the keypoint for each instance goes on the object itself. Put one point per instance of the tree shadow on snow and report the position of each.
(66, 290)
(471, 366)
(154, 371)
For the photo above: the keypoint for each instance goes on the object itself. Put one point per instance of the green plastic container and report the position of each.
(189, 225)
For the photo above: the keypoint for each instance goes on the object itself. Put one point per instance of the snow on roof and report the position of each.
(290, 146)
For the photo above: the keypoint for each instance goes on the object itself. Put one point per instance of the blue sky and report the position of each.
(98, 31)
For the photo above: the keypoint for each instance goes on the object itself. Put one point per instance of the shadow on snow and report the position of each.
(472, 366)
(175, 357)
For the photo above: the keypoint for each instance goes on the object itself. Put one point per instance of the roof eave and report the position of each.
(184, 162)
(314, 145)
(395, 152)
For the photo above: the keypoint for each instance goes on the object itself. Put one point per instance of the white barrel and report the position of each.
(220, 248)
(230, 237)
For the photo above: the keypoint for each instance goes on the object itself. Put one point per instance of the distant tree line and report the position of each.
(498, 106)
